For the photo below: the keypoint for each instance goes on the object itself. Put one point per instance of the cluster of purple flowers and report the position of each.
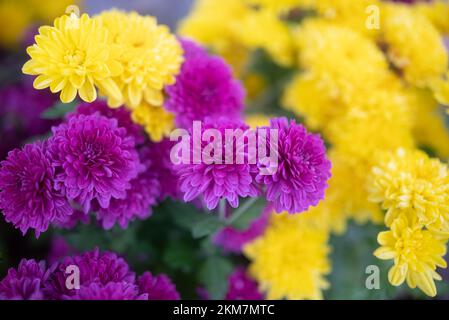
(96, 161)
(206, 91)
(102, 276)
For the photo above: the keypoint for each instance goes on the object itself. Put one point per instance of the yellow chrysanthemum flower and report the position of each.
(380, 121)
(211, 23)
(317, 101)
(408, 180)
(275, 38)
(290, 260)
(361, 64)
(403, 31)
(73, 57)
(158, 122)
(151, 57)
(416, 252)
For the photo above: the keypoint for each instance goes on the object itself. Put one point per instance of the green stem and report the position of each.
(241, 210)
(222, 210)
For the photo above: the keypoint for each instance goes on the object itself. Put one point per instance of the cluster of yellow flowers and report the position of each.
(128, 58)
(372, 76)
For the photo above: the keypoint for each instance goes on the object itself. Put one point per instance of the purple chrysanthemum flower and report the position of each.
(27, 194)
(109, 291)
(21, 107)
(95, 160)
(232, 239)
(157, 287)
(142, 195)
(302, 170)
(162, 165)
(25, 283)
(218, 181)
(242, 287)
(204, 87)
(94, 267)
(122, 115)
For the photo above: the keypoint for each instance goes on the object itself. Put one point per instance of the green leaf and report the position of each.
(243, 222)
(208, 225)
(59, 110)
(180, 255)
(184, 215)
(214, 274)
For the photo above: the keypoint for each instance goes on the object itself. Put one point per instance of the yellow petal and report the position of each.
(77, 81)
(110, 89)
(42, 82)
(134, 95)
(426, 284)
(58, 84)
(88, 92)
(385, 253)
(397, 274)
(30, 68)
(154, 97)
(68, 94)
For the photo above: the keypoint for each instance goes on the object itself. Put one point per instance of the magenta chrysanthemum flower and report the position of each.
(204, 87)
(157, 287)
(109, 291)
(142, 195)
(162, 165)
(122, 115)
(232, 239)
(94, 267)
(302, 171)
(27, 194)
(218, 181)
(242, 287)
(25, 283)
(95, 160)
(21, 107)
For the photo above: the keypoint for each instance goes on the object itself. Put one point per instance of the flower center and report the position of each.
(75, 57)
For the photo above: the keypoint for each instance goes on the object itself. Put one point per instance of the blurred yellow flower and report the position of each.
(14, 19)
(258, 120)
(290, 260)
(437, 11)
(403, 30)
(264, 30)
(211, 23)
